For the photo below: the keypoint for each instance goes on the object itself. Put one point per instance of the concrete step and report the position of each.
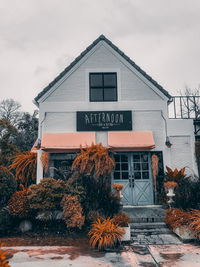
(136, 232)
(147, 219)
(149, 225)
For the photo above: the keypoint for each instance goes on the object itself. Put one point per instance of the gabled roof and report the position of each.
(100, 38)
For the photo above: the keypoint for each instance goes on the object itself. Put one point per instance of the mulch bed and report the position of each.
(36, 239)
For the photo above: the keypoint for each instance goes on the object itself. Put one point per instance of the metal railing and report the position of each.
(184, 107)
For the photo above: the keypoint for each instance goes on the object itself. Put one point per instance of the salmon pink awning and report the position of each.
(66, 142)
(130, 140)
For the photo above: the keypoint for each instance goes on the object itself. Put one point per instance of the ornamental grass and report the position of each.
(105, 233)
(3, 261)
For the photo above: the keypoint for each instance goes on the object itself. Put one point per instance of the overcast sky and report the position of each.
(39, 38)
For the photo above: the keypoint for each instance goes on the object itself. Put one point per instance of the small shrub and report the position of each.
(18, 205)
(195, 222)
(105, 233)
(176, 218)
(8, 186)
(5, 221)
(47, 195)
(3, 261)
(72, 212)
(187, 194)
(121, 219)
(92, 216)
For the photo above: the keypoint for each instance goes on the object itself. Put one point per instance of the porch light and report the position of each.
(167, 142)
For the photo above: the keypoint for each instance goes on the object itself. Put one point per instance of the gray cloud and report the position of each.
(39, 38)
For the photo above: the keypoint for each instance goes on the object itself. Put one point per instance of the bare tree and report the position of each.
(191, 102)
(9, 110)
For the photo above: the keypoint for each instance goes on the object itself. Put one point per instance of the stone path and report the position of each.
(160, 239)
(176, 255)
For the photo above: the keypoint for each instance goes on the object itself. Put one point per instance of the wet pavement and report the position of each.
(174, 255)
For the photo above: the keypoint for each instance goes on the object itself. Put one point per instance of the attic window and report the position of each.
(103, 86)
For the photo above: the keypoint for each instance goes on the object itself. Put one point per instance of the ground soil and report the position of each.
(36, 239)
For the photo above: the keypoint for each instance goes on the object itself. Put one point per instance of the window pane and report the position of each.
(117, 166)
(145, 166)
(110, 94)
(145, 175)
(136, 166)
(124, 158)
(96, 94)
(117, 158)
(96, 80)
(110, 79)
(144, 157)
(136, 158)
(137, 175)
(125, 175)
(116, 175)
(124, 166)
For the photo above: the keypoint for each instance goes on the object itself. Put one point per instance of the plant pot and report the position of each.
(127, 235)
(185, 233)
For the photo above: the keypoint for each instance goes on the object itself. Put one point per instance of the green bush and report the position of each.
(5, 221)
(8, 186)
(46, 195)
(98, 195)
(187, 194)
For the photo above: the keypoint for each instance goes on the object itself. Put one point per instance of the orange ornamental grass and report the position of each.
(175, 175)
(195, 222)
(24, 165)
(45, 161)
(105, 233)
(94, 159)
(3, 262)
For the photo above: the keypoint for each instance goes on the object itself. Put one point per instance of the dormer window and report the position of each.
(103, 86)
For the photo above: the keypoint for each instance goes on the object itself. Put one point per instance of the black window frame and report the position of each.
(103, 87)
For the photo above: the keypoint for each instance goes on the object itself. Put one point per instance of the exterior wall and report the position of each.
(182, 152)
(57, 108)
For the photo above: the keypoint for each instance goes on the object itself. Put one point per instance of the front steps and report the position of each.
(148, 226)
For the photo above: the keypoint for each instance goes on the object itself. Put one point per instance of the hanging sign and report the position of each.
(104, 120)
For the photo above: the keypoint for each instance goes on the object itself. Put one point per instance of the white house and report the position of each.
(103, 96)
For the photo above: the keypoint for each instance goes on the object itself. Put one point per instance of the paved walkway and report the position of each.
(176, 255)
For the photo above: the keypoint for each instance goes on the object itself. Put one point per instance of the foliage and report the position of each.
(121, 219)
(170, 184)
(94, 160)
(46, 195)
(195, 222)
(45, 161)
(72, 212)
(9, 110)
(7, 186)
(92, 215)
(25, 165)
(3, 261)
(176, 218)
(18, 205)
(105, 233)
(7, 149)
(197, 149)
(187, 194)
(174, 175)
(98, 196)
(6, 221)
(27, 126)
(118, 187)
(154, 160)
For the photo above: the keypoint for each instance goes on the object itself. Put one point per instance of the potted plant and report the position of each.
(123, 221)
(118, 188)
(170, 187)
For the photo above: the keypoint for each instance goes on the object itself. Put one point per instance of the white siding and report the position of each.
(76, 86)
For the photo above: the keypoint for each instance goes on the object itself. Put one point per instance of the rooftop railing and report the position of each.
(184, 107)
